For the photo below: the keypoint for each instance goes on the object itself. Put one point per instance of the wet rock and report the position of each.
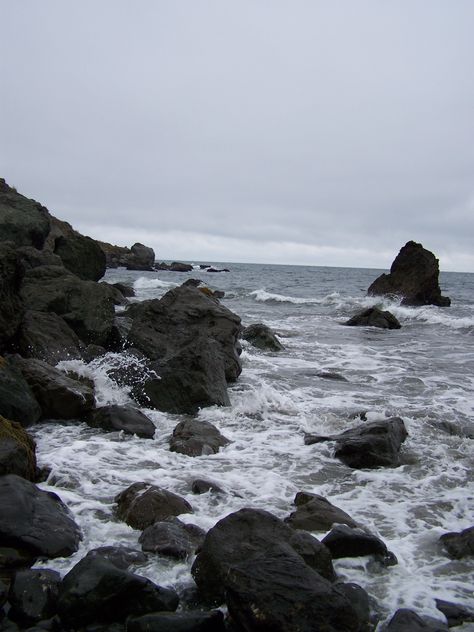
(371, 445)
(17, 401)
(337, 377)
(126, 418)
(196, 438)
(121, 556)
(33, 596)
(17, 450)
(35, 520)
(124, 289)
(141, 258)
(344, 541)
(97, 591)
(316, 513)
(22, 221)
(212, 269)
(178, 266)
(46, 336)
(262, 337)
(142, 504)
(13, 560)
(200, 486)
(459, 545)
(172, 538)
(414, 275)
(246, 534)
(405, 620)
(197, 621)
(59, 396)
(374, 317)
(464, 430)
(11, 306)
(456, 614)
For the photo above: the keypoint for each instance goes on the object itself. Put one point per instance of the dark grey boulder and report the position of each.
(201, 486)
(191, 621)
(23, 221)
(414, 275)
(35, 520)
(371, 445)
(246, 534)
(142, 504)
(96, 591)
(46, 336)
(196, 438)
(126, 418)
(121, 556)
(59, 396)
(11, 306)
(17, 450)
(455, 613)
(405, 620)
(14, 559)
(33, 596)
(172, 538)
(124, 289)
(344, 541)
(178, 266)
(459, 544)
(141, 258)
(316, 513)
(17, 401)
(374, 317)
(262, 337)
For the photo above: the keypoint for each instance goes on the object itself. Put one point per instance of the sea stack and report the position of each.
(414, 275)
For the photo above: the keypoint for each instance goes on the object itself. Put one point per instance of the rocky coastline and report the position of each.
(270, 574)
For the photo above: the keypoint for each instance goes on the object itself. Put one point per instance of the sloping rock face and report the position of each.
(11, 274)
(24, 222)
(414, 275)
(316, 513)
(46, 336)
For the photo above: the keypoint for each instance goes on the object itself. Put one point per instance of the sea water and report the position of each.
(423, 372)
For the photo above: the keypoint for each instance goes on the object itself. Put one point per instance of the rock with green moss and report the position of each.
(17, 450)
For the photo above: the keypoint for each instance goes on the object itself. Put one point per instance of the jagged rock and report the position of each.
(17, 401)
(459, 545)
(376, 444)
(414, 276)
(46, 336)
(97, 591)
(142, 504)
(33, 596)
(196, 621)
(262, 337)
(141, 258)
(17, 450)
(11, 306)
(172, 538)
(316, 513)
(344, 541)
(121, 556)
(456, 614)
(247, 534)
(200, 486)
(86, 306)
(195, 438)
(126, 418)
(23, 221)
(34, 520)
(374, 317)
(405, 620)
(59, 396)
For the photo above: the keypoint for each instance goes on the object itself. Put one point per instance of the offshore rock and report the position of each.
(33, 596)
(413, 275)
(17, 450)
(46, 336)
(316, 513)
(142, 504)
(459, 545)
(172, 538)
(35, 520)
(17, 401)
(190, 621)
(248, 534)
(126, 418)
(141, 258)
(23, 221)
(196, 438)
(374, 317)
(262, 337)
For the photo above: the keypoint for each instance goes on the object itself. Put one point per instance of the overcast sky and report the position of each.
(307, 132)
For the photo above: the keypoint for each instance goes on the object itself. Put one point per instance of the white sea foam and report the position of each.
(147, 283)
(262, 296)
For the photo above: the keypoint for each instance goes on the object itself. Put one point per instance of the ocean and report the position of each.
(423, 372)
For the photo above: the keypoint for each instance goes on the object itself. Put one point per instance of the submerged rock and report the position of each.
(456, 614)
(262, 337)
(17, 450)
(414, 276)
(200, 486)
(316, 513)
(126, 418)
(374, 317)
(195, 438)
(459, 545)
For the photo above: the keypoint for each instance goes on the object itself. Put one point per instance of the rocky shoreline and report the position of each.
(269, 573)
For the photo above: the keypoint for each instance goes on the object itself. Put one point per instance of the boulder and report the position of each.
(456, 614)
(374, 317)
(196, 438)
(17, 401)
(33, 596)
(46, 336)
(141, 258)
(405, 620)
(11, 306)
(142, 504)
(34, 520)
(17, 450)
(414, 276)
(126, 418)
(191, 621)
(59, 396)
(344, 541)
(86, 306)
(121, 556)
(247, 534)
(177, 266)
(22, 221)
(316, 513)
(262, 337)
(172, 538)
(97, 591)
(459, 545)
(371, 445)
(124, 289)
(200, 486)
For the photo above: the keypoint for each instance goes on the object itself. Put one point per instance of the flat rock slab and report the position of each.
(35, 520)
(126, 418)
(316, 513)
(197, 438)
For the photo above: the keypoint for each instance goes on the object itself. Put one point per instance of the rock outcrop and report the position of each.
(414, 275)
(138, 257)
(23, 221)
